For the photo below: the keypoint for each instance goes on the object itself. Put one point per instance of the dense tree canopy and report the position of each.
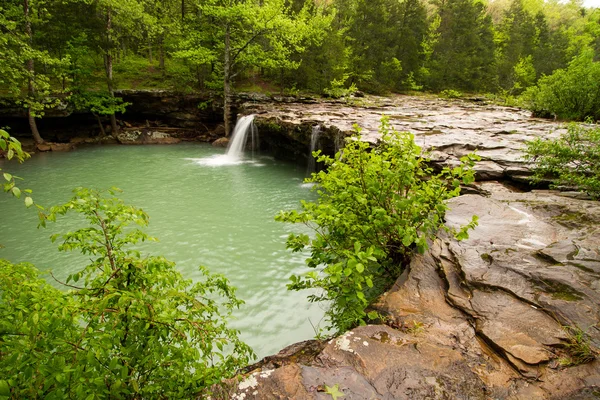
(49, 51)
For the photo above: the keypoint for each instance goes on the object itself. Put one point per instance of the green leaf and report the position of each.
(16, 192)
(360, 268)
(334, 391)
(4, 388)
(28, 201)
(373, 315)
(7, 176)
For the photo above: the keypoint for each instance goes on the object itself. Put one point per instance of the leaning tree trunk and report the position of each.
(108, 63)
(30, 70)
(102, 131)
(227, 83)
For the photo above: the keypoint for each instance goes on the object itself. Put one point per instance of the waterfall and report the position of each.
(243, 128)
(240, 136)
(314, 141)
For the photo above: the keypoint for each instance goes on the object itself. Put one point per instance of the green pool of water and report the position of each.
(217, 216)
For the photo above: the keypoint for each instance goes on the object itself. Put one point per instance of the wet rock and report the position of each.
(50, 146)
(62, 146)
(43, 146)
(145, 136)
(221, 142)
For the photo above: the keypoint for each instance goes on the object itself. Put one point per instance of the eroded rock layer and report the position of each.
(496, 316)
(451, 128)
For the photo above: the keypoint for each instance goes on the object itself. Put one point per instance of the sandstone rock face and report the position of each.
(450, 128)
(479, 319)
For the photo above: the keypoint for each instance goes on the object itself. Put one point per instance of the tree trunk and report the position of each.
(227, 83)
(109, 70)
(161, 54)
(150, 50)
(102, 131)
(30, 83)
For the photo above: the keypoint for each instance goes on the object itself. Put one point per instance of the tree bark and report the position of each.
(227, 83)
(161, 54)
(102, 131)
(109, 69)
(30, 83)
(150, 50)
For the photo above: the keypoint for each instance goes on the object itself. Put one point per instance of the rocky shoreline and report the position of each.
(493, 317)
(511, 313)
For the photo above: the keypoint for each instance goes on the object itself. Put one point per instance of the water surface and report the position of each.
(217, 216)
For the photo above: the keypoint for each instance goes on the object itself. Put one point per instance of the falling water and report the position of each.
(314, 140)
(240, 137)
(237, 145)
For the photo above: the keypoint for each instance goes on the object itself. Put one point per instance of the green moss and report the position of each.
(487, 258)
(561, 291)
(582, 267)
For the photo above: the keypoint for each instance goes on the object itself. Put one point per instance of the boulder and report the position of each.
(221, 142)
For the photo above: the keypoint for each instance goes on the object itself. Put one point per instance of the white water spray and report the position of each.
(239, 138)
(237, 144)
(314, 141)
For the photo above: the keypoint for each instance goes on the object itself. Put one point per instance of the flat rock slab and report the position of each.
(484, 318)
(453, 128)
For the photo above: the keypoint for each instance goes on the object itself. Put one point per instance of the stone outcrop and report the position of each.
(145, 136)
(449, 128)
(492, 317)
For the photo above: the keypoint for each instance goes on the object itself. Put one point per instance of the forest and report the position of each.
(83, 50)
(127, 324)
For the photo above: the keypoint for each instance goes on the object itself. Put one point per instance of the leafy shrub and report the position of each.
(572, 160)
(11, 148)
(375, 208)
(450, 94)
(130, 327)
(338, 88)
(570, 93)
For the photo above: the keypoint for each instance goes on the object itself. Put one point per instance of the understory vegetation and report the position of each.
(124, 326)
(376, 207)
(571, 161)
(128, 326)
(48, 53)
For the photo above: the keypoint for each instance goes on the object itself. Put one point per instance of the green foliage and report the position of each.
(462, 47)
(570, 93)
(376, 207)
(451, 94)
(573, 160)
(334, 391)
(130, 327)
(11, 148)
(338, 89)
(98, 103)
(578, 348)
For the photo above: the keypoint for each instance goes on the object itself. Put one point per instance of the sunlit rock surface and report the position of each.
(480, 319)
(450, 128)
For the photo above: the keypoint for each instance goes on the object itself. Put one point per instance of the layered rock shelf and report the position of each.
(511, 313)
(450, 128)
(492, 317)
